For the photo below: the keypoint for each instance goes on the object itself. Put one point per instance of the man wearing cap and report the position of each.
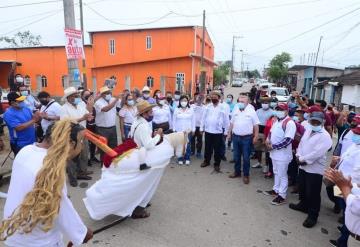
(146, 95)
(20, 122)
(30, 102)
(328, 122)
(311, 156)
(279, 142)
(141, 130)
(244, 131)
(105, 119)
(74, 108)
(215, 122)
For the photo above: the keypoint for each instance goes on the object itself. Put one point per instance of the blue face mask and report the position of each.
(280, 114)
(228, 101)
(241, 106)
(356, 139)
(306, 116)
(295, 118)
(316, 128)
(77, 101)
(292, 105)
(24, 93)
(149, 118)
(273, 104)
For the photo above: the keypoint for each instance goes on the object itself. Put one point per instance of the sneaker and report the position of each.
(333, 243)
(257, 165)
(180, 163)
(278, 201)
(309, 222)
(270, 193)
(265, 169)
(187, 162)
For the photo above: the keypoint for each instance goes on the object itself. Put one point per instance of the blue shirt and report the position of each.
(232, 105)
(14, 117)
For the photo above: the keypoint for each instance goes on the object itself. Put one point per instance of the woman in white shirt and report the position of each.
(127, 116)
(184, 120)
(162, 115)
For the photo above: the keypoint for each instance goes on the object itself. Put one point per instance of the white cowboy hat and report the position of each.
(146, 89)
(69, 91)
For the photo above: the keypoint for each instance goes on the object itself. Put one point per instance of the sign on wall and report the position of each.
(73, 44)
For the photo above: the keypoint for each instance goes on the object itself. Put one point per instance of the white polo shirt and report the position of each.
(161, 114)
(277, 134)
(129, 114)
(215, 119)
(74, 112)
(105, 119)
(244, 121)
(52, 109)
(184, 120)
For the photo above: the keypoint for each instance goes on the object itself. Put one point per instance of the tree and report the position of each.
(221, 73)
(21, 39)
(278, 67)
(252, 73)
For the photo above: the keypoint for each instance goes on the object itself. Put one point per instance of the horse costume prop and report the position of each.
(123, 184)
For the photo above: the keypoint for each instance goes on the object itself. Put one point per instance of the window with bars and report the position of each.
(148, 42)
(150, 81)
(180, 80)
(112, 46)
(44, 82)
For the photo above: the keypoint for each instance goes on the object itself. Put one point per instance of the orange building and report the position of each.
(162, 58)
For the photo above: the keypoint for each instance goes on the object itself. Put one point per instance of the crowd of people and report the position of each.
(289, 140)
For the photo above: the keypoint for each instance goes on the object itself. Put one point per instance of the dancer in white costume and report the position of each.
(123, 187)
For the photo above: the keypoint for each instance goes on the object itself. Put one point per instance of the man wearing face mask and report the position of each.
(50, 110)
(215, 122)
(278, 143)
(105, 119)
(311, 156)
(20, 122)
(75, 109)
(146, 95)
(29, 101)
(175, 102)
(243, 131)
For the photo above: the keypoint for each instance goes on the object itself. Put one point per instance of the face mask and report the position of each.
(183, 104)
(24, 93)
(241, 105)
(162, 102)
(44, 102)
(130, 102)
(149, 118)
(215, 101)
(280, 114)
(316, 128)
(265, 106)
(146, 95)
(295, 118)
(177, 97)
(306, 116)
(77, 101)
(356, 139)
(273, 104)
(108, 97)
(228, 100)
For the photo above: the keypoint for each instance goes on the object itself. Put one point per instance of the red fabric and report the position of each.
(126, 146)
(268, 126)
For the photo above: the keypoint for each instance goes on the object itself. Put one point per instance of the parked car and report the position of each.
(237, 83)
(282, 94)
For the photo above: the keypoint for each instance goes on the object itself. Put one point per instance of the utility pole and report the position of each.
(203, 71)
(232, 62)
(83, 43)
(69, 17)
(316, 59)
(242, 64)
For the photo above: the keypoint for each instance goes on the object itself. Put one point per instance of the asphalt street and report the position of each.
(194, 207)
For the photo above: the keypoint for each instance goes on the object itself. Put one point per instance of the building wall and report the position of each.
(300, 81)
(350, 95)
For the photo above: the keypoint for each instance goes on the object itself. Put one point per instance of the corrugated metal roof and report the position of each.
(140, 29)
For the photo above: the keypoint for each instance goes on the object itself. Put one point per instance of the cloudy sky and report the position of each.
(264, 27)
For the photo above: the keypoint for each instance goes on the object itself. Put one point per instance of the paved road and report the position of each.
(194, 207)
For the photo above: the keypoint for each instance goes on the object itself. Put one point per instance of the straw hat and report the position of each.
(69, 91)
(216, 92)
(104, 89)
(146, 89)
(143, 106)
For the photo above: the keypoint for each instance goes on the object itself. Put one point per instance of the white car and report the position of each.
(237, 83)
(282, 94)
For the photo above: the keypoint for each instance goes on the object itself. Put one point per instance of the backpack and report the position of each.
(300, 130)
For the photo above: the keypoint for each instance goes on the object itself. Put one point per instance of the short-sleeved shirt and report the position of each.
(74, 112)
(264, 115)
(129, 114)
(244, 121)
(52, 109)
(277, 134)
(14, 117)
(105, 119)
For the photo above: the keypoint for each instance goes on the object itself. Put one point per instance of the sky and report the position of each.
(262, 28)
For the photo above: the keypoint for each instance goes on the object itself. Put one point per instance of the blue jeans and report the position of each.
(127, 130)
(242, 147)
(187, 150)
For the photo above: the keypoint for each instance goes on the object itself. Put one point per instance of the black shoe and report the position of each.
(270, 193)
(89, 163)
(341, 220)
(73, 182)
(95, 160)
(297, 207)
(309, 222)
(333, 243)
(336, 209)
(217, 168)
(339, 229)
(224, 158)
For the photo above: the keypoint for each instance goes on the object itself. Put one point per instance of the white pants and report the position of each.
(352, 242)
(280, 169)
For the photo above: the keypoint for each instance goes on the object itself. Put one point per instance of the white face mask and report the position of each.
(280, 114)
(265, 106)
(131, 102)
(146, 95)
(183, 104)
(108, 97)
(176, 97)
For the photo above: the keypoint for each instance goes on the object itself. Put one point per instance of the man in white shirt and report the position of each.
(311, 156)
(50, 110)
(105, 119)
(215, 122)
(244, 131)
(279, 142)
(75, 109)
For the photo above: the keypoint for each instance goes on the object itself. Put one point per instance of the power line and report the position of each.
(30, 16)
(28, 4)
(344, 35)
(309, 30)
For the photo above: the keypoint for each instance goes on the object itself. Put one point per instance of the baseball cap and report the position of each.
(282, 106)
(318, 116)
(14, 96)
(314, 108)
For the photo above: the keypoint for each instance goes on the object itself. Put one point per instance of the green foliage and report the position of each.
(221, 72)
(252, 74)
(21, 39)
(278, 67)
